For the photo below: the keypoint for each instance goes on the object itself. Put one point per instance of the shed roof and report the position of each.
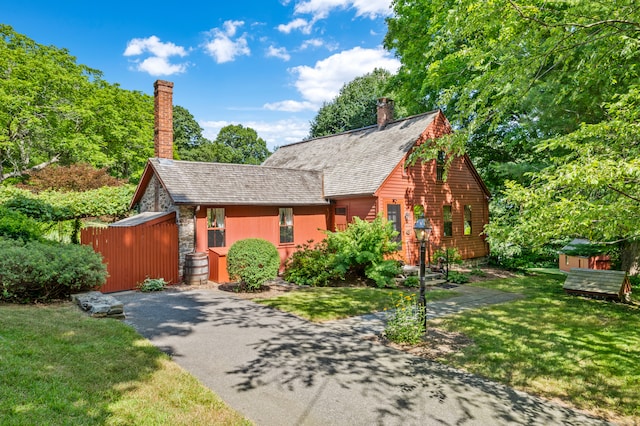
(575, 243)
(355, 162)
(145, 218)
(200, 183)
(592, 281)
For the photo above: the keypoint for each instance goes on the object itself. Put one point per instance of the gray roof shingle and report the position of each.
(355, 162)
(199, 183)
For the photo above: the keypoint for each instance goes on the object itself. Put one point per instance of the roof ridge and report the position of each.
(360, 128)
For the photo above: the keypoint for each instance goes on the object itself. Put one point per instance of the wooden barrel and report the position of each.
(196, 268)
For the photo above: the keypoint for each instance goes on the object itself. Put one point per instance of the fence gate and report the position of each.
(135, 253)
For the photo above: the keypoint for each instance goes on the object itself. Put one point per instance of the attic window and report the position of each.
(440, 166)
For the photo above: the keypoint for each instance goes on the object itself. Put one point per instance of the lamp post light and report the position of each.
(422, 229)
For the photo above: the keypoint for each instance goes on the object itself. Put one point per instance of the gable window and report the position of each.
(467, 220)
(440, 166)
(286, 225)
(215, 227)
(447, 218)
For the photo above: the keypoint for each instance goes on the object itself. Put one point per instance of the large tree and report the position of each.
(243, 144)
(544, 96)
(55, 110)
(355, 105)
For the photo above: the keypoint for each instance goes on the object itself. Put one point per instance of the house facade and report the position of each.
(310, 187)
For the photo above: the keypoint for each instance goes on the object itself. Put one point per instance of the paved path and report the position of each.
(277, 369)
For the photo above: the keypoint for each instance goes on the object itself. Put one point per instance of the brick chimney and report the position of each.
(163, 119)
(385, 112)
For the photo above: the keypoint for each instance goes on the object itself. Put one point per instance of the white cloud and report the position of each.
(222, 47)
(321, 8)
(315, 43)
(158, 62)
(322, 82)
(290, 106)
(297, 24)
(278, 52)
(276, 133)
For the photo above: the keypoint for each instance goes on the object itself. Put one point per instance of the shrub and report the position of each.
(253, 261)
(412, 281)
(34, 271)
(311, 265)
(478, 272)
(457, 277)
(16, 225)
(406, 323)
(152, 284)
(363, 249)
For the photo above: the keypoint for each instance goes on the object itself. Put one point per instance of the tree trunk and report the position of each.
(630, 257)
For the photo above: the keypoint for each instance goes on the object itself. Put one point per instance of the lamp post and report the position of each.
(422, 229)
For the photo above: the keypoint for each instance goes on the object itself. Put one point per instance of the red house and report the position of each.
(312, 186)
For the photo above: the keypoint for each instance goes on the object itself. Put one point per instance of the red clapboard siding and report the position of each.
(135, 253)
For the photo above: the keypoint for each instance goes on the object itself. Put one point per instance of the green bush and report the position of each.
(16, 225)
(412, 281)
(253, 261)
(34, 271)
(152, 284)
(364, 248)
(457, 277)
(311, 266)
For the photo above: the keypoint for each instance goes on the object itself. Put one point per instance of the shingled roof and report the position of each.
(200, 183)
(355, 162)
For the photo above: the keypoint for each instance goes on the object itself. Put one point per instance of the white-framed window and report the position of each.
(286, 225)
(215, 227)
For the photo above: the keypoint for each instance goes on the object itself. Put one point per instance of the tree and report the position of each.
(187, 133)
(544, 96)
(355, 105)
(55, 110)
(243, 143)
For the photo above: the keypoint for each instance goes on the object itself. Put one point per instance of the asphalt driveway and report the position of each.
(278, 369)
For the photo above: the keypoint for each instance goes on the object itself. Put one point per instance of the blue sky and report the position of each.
(266, 64)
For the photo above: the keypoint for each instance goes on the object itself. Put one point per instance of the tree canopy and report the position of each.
(355, 105)
(545, 98)
(55, 110)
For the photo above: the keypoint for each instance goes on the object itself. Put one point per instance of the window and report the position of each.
(393, 216)
(447, 218)
(215, 227)
(467, 220)
(286, 225)
(440, 166)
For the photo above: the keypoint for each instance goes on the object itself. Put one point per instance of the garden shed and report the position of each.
(593, 282)
(579, 253)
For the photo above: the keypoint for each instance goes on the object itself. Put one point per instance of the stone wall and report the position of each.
(155, 198)
(186, 234)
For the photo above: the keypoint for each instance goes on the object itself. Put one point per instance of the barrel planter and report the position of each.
(196, 268)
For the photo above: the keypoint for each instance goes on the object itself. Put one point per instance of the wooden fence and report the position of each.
(135, 253)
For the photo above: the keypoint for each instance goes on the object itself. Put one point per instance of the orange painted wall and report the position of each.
(417, 185)
(243, 222)
(566, 262)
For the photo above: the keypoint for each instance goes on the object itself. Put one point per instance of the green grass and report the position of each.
(59, 366)
(331, 303)
(582, 351)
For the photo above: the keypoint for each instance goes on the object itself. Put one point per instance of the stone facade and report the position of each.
(186, 234)
(155, 198)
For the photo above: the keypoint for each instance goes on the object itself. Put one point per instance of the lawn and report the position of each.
(582, 351)
(59, 366)
(330, 303)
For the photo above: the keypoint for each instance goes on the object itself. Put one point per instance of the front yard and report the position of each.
(59, 366)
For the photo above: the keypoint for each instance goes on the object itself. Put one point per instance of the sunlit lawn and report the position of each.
(330, 303)
(583, 351)
(58, 366)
